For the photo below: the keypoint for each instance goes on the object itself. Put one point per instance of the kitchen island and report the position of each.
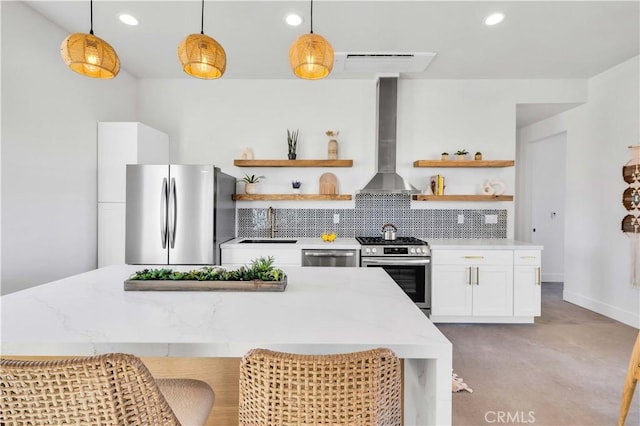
(322, 310)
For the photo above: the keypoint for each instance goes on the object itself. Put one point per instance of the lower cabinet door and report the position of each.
(527, 290)
(492, 290)
(451, 291)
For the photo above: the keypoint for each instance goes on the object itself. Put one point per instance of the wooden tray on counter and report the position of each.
(193, 285)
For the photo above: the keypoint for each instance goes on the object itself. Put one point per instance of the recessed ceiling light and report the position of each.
(293, 19)
(128, 19)
(494, 19)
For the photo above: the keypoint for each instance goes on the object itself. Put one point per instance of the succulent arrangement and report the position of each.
(261, 269)
(296, 184)
(461, 152)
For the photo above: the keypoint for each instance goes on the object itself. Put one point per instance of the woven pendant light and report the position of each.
(201, 56)
(311, 55)
(89, 55)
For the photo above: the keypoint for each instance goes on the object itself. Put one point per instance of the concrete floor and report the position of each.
(567, 369)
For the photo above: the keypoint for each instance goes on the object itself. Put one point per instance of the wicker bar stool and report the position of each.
(111, 389)
(632, 377)
(360, 388)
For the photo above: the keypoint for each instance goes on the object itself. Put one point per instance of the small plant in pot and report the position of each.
(296, 184)
(292, 142)
(444, 156)
(478, 156)
(461, 154)
(250, 183)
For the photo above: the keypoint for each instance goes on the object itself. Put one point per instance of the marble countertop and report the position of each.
(301, 243)
(323, 310)
(481, 244)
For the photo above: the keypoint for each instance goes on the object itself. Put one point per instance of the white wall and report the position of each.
(49, 131)
(211, 121)
(597, 253)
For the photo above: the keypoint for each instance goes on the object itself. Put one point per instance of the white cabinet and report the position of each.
(485, 286)
(472, 283)
(234, 257)
(527, 282)
(119, 144)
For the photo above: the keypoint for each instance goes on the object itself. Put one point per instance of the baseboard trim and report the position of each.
(441, 319)
(610, 311)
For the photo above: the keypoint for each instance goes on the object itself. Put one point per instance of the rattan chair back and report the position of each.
(360, 388)
(112, 389)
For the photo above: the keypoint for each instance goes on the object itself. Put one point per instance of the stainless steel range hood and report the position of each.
(386, 180)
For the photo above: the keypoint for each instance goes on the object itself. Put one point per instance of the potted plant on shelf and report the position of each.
(250, 183)
(461, 154)
(478, 156)
(296, 184)
(292, 142)
(444, 156)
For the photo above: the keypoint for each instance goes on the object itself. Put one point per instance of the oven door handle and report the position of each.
(390, 262)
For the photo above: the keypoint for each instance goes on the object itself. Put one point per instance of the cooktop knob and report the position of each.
(413, 250)
(374, 250)
(367, 250)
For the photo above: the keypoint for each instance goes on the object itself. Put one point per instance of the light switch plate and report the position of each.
(490, 218)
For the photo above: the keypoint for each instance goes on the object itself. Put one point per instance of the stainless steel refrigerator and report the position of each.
(178, 214)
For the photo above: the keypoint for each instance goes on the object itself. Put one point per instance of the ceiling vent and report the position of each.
(383, 62)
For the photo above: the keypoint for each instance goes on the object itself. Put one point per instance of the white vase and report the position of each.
(250, 188)
(296, 190)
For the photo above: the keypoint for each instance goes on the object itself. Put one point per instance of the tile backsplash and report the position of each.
(366, 219)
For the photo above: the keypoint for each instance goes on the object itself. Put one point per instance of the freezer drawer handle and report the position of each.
(163, 213)
(173, 204)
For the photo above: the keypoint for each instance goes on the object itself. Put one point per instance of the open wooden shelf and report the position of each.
(292, 197)
(421, 197)
(293, 163)
(463, 163)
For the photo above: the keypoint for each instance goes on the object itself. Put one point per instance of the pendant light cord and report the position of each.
(311, 16)
(202, 19)
(91, 12)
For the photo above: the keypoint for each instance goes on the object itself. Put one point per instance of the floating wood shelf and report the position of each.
(293, 163)
(463, 163)
(291, 197)
(463, 197)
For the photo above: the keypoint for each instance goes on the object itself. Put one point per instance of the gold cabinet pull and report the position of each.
(528, 257)
(470, 267)
(538, 276)
(477, 275)
(474, 257)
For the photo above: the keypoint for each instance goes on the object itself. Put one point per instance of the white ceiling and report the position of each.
(543, 39)
(538, 39)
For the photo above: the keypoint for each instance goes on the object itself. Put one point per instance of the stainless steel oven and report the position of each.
(406, 260)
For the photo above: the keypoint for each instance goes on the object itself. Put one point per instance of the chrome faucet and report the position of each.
(271, 218)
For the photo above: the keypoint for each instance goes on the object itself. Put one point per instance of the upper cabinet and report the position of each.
(122, 143)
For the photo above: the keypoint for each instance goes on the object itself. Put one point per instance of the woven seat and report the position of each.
(360, 388)
(633, 375)
(111, 389)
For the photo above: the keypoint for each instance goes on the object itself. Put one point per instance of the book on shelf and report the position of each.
(437, 185)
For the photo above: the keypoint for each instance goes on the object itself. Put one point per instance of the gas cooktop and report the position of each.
(399, 241)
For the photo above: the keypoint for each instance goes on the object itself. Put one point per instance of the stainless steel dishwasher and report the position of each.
(330, 257)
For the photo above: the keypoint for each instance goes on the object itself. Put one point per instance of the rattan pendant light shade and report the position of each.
(202, 57)
(89, 55)
(311, 55)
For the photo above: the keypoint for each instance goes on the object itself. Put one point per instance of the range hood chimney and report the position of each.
(386, 180)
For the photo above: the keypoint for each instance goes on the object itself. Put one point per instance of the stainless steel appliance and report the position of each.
(330, 257)
(406, 259)
(178, 214)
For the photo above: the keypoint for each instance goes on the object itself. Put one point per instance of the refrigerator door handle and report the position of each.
(173, 205)
(163, 213)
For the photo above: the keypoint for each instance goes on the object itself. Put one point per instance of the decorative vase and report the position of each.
(461, 156)
(250, 188)
(333, 149)
(296, 190)
(478, 156)
(444, 157)
(292, 156)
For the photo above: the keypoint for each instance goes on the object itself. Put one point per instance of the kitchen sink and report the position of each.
(268, 241)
